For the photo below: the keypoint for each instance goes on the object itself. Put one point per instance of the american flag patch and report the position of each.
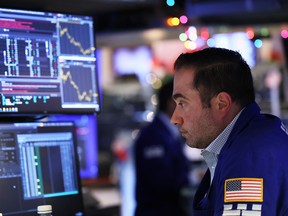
(243, 190)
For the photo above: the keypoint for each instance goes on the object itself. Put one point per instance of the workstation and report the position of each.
(78, 81)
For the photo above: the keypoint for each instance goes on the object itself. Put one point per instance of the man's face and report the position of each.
(197, 125)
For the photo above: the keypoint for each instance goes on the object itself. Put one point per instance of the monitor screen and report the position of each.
(87, 142)
(141, 64)
(237, 41)
(39, 167)
(47, 63)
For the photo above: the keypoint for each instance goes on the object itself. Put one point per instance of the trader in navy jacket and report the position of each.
(246, 151)
(162, 170)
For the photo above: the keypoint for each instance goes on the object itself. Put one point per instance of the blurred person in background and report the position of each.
(162, 169)
(245, 150)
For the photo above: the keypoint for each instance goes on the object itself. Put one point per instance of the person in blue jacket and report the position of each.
(162, 169)
(246, 150)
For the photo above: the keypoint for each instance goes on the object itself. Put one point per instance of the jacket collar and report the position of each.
(249, 112)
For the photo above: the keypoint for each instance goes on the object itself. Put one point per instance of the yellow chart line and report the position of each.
(87, 96)
(65, 31)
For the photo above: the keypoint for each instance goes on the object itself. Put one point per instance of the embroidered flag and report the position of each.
(243, 190)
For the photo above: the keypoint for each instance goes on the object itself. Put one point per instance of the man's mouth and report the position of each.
(183, 132)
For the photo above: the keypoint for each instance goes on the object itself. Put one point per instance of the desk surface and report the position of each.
(102, 201)
(106, 196)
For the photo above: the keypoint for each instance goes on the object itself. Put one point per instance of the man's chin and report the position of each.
(189, 144)
(192, 145)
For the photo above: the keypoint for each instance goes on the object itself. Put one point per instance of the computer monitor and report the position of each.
(87, 142)
(47, 63)
(237, 41)
(38, 163)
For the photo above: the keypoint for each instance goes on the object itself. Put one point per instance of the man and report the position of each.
(161, 167)
(246, 151)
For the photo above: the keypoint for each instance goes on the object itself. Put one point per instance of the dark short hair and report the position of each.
(216, 70)
(164, 94)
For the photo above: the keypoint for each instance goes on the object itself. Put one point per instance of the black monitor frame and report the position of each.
(87, 142)
(39, 166)
(47, 64)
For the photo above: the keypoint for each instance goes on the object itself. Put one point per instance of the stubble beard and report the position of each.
(207, 132)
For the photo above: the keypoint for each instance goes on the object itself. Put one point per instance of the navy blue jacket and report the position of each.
(161, 171)
(255, 156)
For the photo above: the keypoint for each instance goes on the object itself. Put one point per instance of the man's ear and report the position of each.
(223, 102)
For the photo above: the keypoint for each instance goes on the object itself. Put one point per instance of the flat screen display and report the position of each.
(39, 167)
(237, 41)
(140, 66)
(87, 142)
(47, 63)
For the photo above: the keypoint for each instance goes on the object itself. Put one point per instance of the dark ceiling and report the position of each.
(122, 15)
(110, 15)
(78, 6)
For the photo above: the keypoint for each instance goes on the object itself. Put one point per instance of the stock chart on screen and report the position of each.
(47, 63)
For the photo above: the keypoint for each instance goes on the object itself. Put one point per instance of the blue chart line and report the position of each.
(75, 39)
(77, 84)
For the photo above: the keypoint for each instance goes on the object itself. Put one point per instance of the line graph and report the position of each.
(77, 85)
(76, 39)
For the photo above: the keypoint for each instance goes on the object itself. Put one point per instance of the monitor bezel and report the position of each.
(52, 200)
(96, 107)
